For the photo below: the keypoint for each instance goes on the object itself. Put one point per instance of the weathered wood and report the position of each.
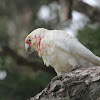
(80, 84)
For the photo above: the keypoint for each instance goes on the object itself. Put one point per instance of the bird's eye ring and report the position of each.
(29, 40)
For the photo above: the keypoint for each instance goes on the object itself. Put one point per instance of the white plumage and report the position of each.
(61, 50)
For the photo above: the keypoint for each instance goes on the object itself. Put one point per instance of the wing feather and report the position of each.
(72, 45)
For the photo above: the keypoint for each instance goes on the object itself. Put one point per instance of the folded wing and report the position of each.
(72, 45)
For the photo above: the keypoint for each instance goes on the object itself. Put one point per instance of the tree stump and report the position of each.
(80, 84)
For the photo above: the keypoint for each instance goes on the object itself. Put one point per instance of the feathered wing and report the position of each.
(72, 45)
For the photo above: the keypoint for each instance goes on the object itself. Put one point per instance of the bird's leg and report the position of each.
(74, 68)
(58, 77)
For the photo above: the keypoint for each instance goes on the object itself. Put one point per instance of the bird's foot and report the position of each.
(58, 77)
(55, 84)
(74, 68)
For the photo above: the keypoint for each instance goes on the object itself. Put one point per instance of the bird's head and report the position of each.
(32, 39)
(29, 43)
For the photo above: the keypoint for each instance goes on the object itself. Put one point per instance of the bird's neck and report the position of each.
(39, 37)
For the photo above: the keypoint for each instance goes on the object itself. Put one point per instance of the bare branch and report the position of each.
(66, 10)
(92, 12)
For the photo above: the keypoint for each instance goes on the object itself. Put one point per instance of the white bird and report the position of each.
(60, 50)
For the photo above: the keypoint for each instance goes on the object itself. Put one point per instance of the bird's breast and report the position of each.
(59, 59)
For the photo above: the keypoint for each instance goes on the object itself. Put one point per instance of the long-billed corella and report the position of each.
(60, 50)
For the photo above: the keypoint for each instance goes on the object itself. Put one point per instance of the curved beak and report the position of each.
(28, 48)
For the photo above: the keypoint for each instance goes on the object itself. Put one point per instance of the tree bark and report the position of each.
(80, 84)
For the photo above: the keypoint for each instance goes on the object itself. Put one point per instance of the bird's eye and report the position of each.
(29, 40)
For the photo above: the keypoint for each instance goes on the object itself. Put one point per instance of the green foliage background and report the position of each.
(90, 38)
